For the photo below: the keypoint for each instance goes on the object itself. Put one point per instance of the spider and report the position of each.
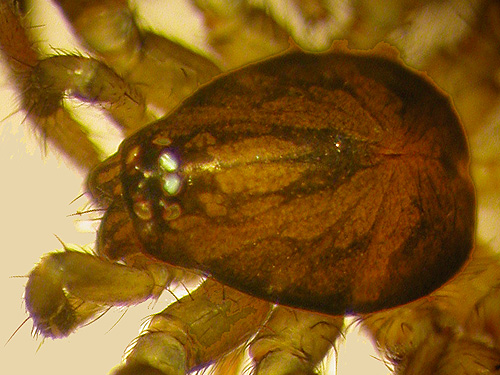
(397, 352)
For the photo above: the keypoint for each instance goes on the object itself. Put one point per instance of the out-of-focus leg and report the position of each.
(293, 342)
(145, 75)
(163, 71)
(42, 105)
(240, 33)
(449, 330)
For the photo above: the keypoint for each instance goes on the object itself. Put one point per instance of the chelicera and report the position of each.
(323, 183)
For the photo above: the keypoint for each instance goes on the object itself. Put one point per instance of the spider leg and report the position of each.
(68, 288)
(138, 88)
(45, 82)
(43, 107)
(164, 72)
(294, 341)
(448, 332)
(192, 333)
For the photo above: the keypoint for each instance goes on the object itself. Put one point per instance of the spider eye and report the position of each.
(168, 162)
(168, 168)
(171, 184)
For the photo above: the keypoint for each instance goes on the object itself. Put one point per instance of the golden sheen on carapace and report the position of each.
(333, 182)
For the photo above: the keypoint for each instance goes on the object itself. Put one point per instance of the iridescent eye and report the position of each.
(171, 183)
(170, 211)
(168, 165)
(168, 162)
(143, 210)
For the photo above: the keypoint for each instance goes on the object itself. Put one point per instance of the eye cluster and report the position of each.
(152, 180)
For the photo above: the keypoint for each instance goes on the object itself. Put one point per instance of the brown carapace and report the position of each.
(331, 182)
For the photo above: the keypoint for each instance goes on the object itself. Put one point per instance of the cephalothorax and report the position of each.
(314, 181)
(326, 182)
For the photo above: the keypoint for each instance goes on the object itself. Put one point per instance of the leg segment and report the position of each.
(448, 332)
(195, 331)
(293, 342)
(150, 81)
(42, 107)
(44, 83)
(164, 72)
(67, 289)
